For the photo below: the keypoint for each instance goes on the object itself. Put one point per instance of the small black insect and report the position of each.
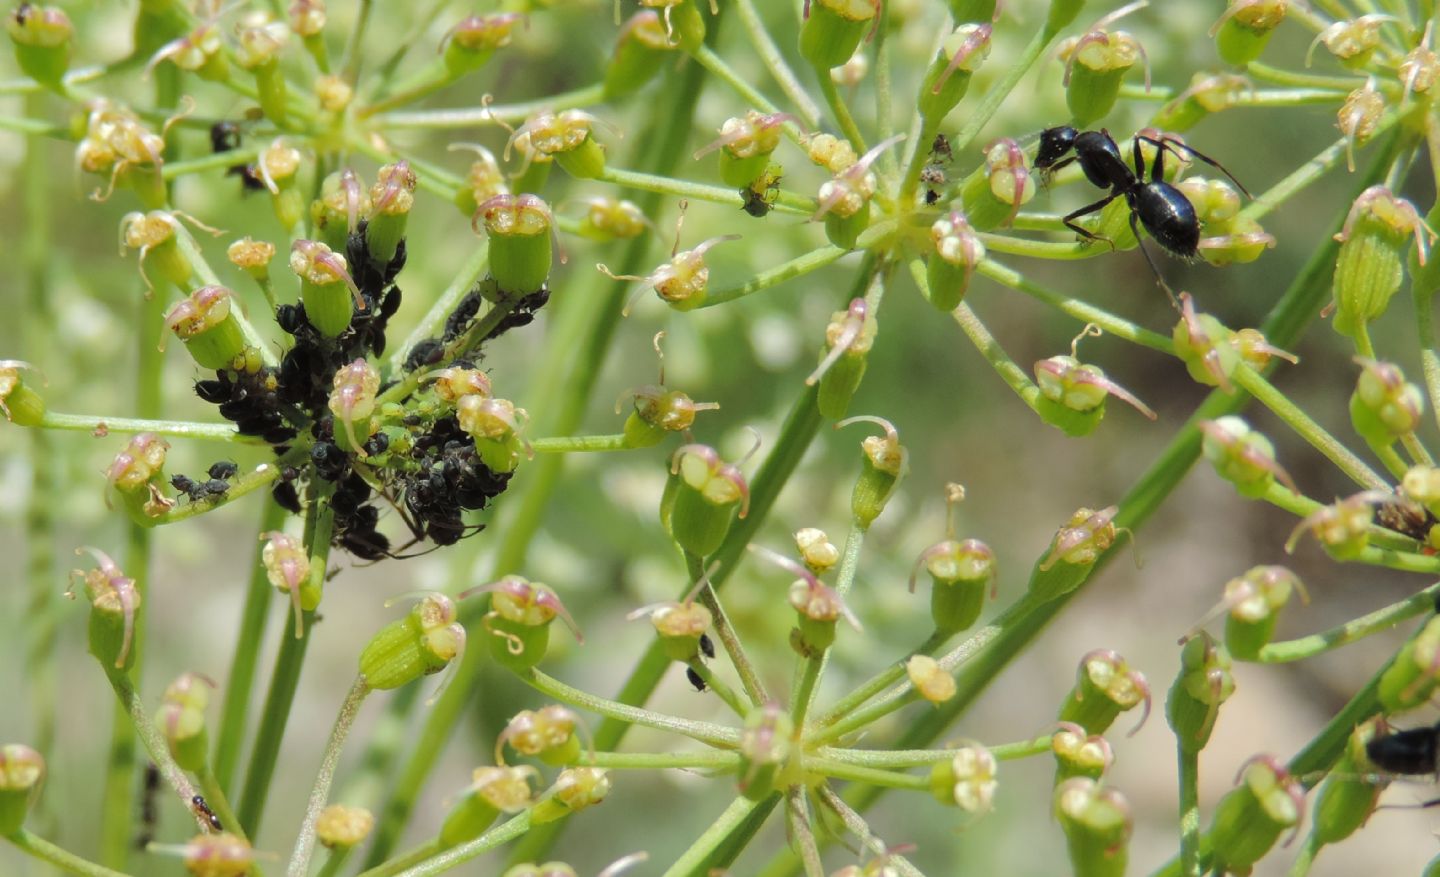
(761, 194)
(224, 136)
(1411, 752)
(1165, 212)
(198, 490)
(223, 470)
(933, 174)
(707, 646)
(695, 679)
(149, 807)
(203, 810)
(286, 497)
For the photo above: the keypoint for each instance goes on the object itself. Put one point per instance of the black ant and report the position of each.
(1165, 212)
(149, 807)
(203, 810)
(1413, 752)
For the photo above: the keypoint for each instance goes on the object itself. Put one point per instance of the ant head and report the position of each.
(1054, 143)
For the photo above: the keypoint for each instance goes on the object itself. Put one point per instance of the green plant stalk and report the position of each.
(284, 680)
(1189, 763)
(1390, 459)
(691, 862)
(173, 170)
(1012, 374)
(215, 797)
(365, 785)
(884, 119)
(857, 826)
(786, 202)
(892, 758)
(719, 687)
(814, 667)
(408, 859)
(434, 320)
(240, 487)
(1277, 76)
(350, 64)
(706, 57)
(1313, 433)
(858, 696)
(61, 858)
(585, 96)
(461, 345)
(1324, 161)
(1260, 97)
(99, 424)
(797, 823)
(703, 732)
(570, 444)
(867, 775)
(191, 250)
(840, 111)
(774, 61)
(1085, 313)
(1380, 620)
(709, 760)
(335, 860)
(241, 682)
(458, 855)
(152, 739)
(320, 792)
(1306, 857)
(725, 631)
(1429, 350)
(1417, 452)
(797, 267)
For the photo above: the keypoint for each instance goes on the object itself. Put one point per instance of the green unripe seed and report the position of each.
(520, 248)
(204, 322)
(1097, 825)
(949, 75)
(833, 31)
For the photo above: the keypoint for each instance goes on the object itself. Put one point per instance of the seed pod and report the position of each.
(153, 235)
(352, 401)
(994, 192)
(483, 181)
(1096, 64)
(1353, 43)
(1422, 484)
(931, 681)
(211, 333)
(392, 198)
(547, 734)
(1082, 540)
(518, 622)
(218, 855)
(1242, 456)
(610, 219)
(1079, 754)
(844, 200)
(885, 462)
(44, 42)
(1358, 119)
(21, 404)
(1411, 679)
(1256, 352)
(568, 139)
(1243, 241)
(848, 338)
(1384, 407)
(659, 411)
(765, 747)
(1370, 266)
(260, 41)
(1204, 682)
(745, 145)
(472, 41)
(957, 251)
(495, 425)
(253, 257)
(966, 780)
(640, 49)
(1250, 818)
(425, 641)
(137, 478)
(707, 491)
(340, 827)
(1097, 824)
(200, 51)
(326, 287)
(817, 552)
(1072, 395)
(21, 771)
(684, 25)
(1342, 529)
(961, 572)
(575, 789)
(492, 790)
(818, 609)
(1204, 344)
(1243, 31)
(519, 228)
(1419, 70)
(833, 29)
(971, 10)
(118, 143)
(1105, 686)
(1349, 794)
(454, 383)
(948, 79)
(181, 718)
(1254, 601)
(114, 600)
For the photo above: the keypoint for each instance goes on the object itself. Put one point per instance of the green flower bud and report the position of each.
(931, 681)
(519, 621)
(425, 641)
(966, 780)
(765, 749)
(833, 29)
(684, 281)
(844, 200)
(706, 493)
(1096, 64)
(340, 827)
(817, 552)
(567, 138)
(548, 735)
(492, 790)
(1256, 352)
(1342, 529)
(118, 143)
(21, 771)
(610, 219)
(44, 41)
(1080, 754)
(1203, 683)
(495, 424)
(392, 198)
(114, 600)
(211, 333)
(1421, 484)
(830, 152)
(326, 287)
(1242, 32)
(483, 181)
(1349, 794)
(519, 228)
(1358, 119)
(287, 566)
(1105, 686)
(994, 192)
(1097, 824)
(886, 462)
(253, 257)
(639, 52)
(181, 718)
(818, 608)
(218, 855)
(21, 404)
(745, 145)
(153, 234)
(1419, 70)
(201, 51)
(1243, 242)
(1353, 43)
(949, 76)
(1384, 407)
(957, 251)
(1082, 540)
(575, 789)
(1370, 266)
(848, 338)
(1250, 819)
(137, 478)
(1242, 456)
(684, 26)
(260, 41)
(960, 574)
(659, 411)
(352, 401)
(1072, 395)
(1411, 679)
(1254, 601)
(1204, 344)
(336, 214)
(680, 626)
(472, 42)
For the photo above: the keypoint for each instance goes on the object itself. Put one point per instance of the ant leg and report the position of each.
(1157, 173)
(1134, 228)
(1172, 144)
(1085, 211)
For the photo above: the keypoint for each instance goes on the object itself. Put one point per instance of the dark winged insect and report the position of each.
(707, 646)
(695, 679)
(1165, 212)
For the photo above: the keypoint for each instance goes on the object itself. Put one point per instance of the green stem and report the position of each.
(1390, 459)
(101, 425)
(432, 323)
(63, 859)
(407, 859)
(153, 741)
(797, 816)
(458, 855)
(335, 859)
(876, 684)
(725, 631)
(1313, 433)
(422, 83)
(868, 775)
(774, 61)
(903, 758)
(350, 67)
(1306, 857)
(1011, 373)
(717, 65)
(786, 202)
(692, 860)
(705, 760)
(1080, 310)
(797, 267)
(247, 653)
(284, 680)
(1421, 457)
(248, 483)
(509, 113)
(841, 111)
(717, 685)
(1291, 78)
(569, 444)
(704, 732)
(1375, 622)
(217, 801)
(995, 97)
(1189, 810)
(1325, 161)
(1429, 351)
(215, 161)
(320, 792)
